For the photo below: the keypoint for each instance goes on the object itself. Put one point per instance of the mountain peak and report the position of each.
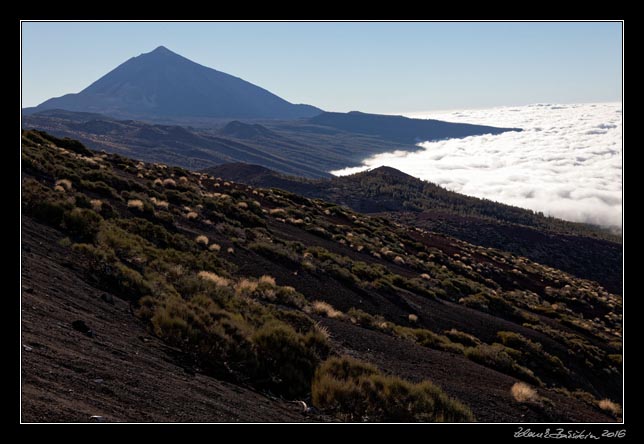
(161, 50)
(162, 84)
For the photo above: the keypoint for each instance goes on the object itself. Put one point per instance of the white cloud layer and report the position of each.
(567, 161)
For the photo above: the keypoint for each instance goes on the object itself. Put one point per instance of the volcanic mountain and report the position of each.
(161, 84)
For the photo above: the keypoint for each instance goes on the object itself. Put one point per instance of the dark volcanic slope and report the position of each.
(236, 279)
(582, 250)
(123, 373)
(162, 84)
(402, 129)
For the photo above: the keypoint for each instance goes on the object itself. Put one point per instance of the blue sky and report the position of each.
(371, 67)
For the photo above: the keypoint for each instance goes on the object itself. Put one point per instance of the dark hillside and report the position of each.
(583, 250)
(265, 294)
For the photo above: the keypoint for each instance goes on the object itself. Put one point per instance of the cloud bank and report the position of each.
(567, 162)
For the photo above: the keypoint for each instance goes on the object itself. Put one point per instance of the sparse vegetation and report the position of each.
(138, 243)
(356, 391)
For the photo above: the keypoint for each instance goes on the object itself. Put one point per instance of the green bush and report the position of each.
(218, 339)
(276, 252)
(287, 359)
(356, 391)
(497, 356)
(83, 224)
(49, 212)
(462, 338)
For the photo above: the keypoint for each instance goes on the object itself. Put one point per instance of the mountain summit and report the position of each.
(163, 84)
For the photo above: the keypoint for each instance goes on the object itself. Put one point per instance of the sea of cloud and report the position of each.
(567, 161)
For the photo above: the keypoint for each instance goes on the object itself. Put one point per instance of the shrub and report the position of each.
(215, 247)
(169, 183)
(99, 187)
(276, 252)
(477, 301)
(82, 223)
(356, 391)
(429, 339)
(286, 295)
(462, 338)
(49, 212)
(286, 362)
(523, 393)
(497, 356)
(218, 339)
(611, 407)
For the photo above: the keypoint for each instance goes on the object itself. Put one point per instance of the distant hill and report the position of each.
(162, 84)
(423, 204)
(297, 147)
(241, 130)
(401, 128)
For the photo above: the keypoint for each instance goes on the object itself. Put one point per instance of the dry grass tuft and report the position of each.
(523, 393)
(214, 247)
(192, 215)
(202, 240)
(265, 279)
(97, 205)
(215, 278)
(243, 205)
(323, 330)
(323, 308)
(609, 406)
(169, 183)
(159, 203)
(413, 318)
(136, 204)
(66, 184)
(245, 287)
(277, 212)
(425, 276)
